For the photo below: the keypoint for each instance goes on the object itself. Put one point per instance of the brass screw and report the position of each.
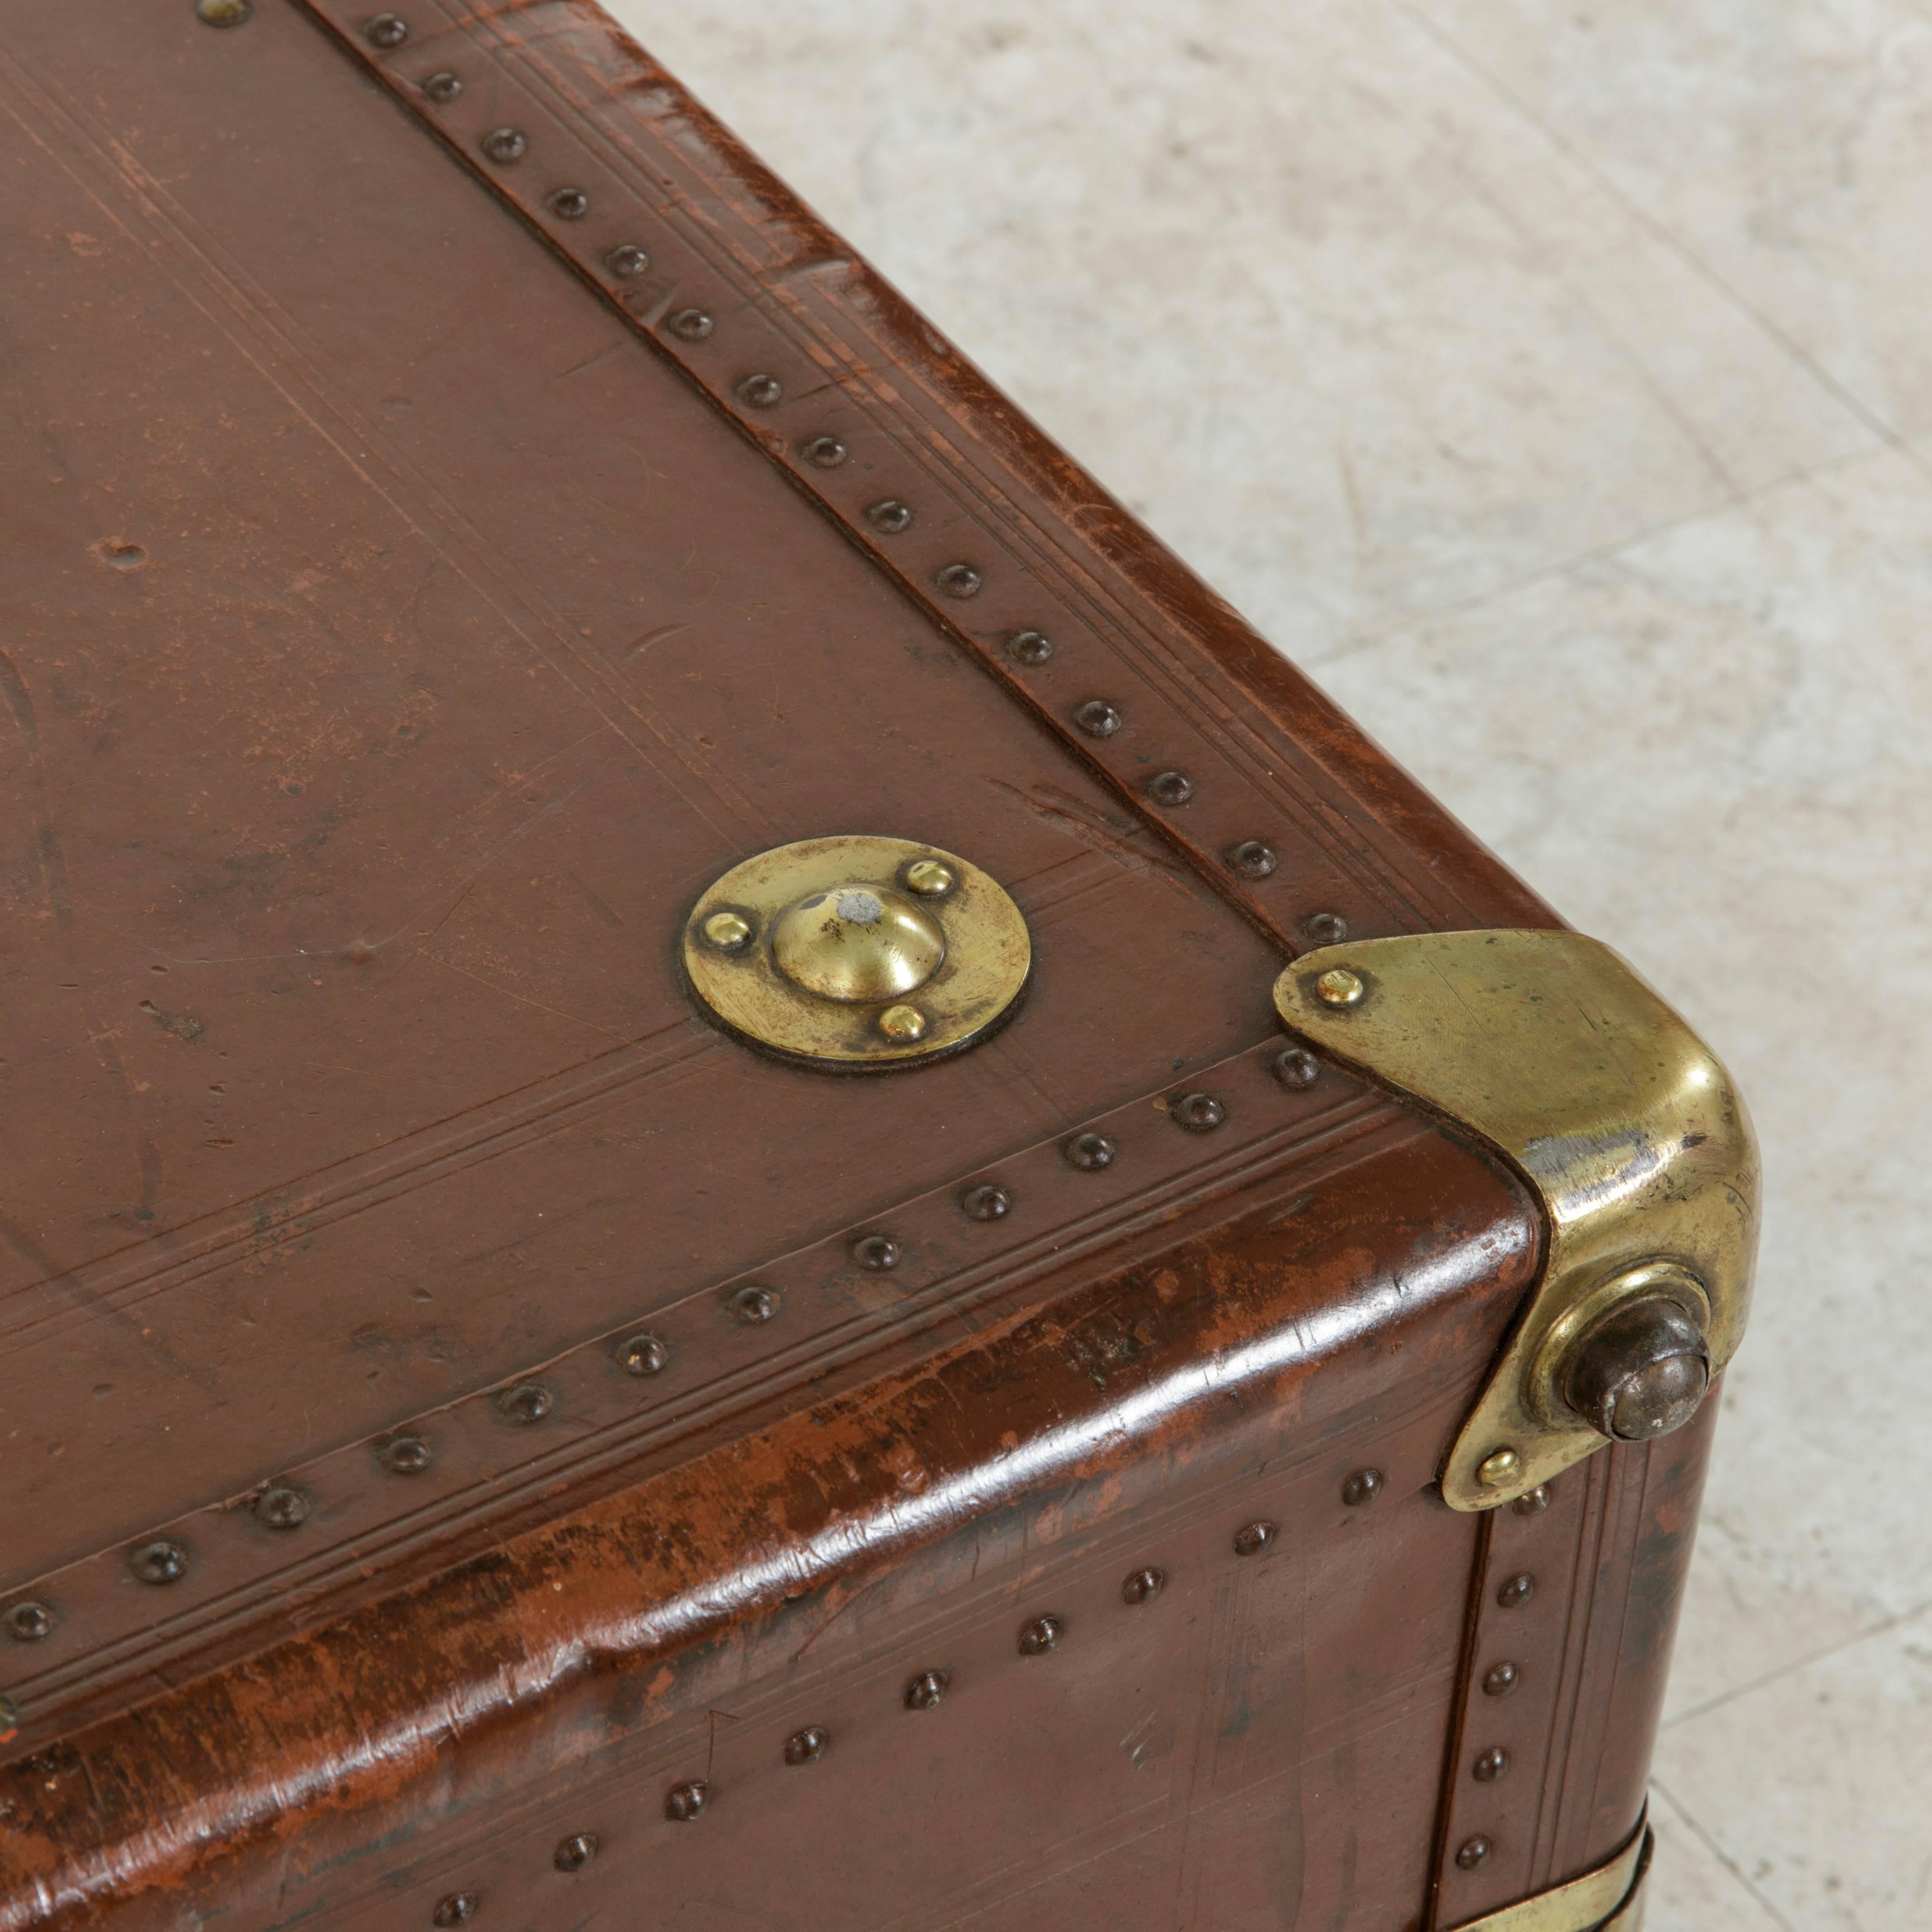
(1338, 987)
(902, 1024)
(223, 13)
(1499, 1468)
(930, 879)
(727, 932)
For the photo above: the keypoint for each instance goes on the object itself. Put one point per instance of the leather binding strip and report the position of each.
(816, 360)
(488, 1478)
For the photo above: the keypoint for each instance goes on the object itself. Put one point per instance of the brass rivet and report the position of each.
(222, 12)
(1363, 1486)
(1170, 788)
(458, 1908)
(930, 879)
(1029, 647)
(1198, 1113)
(644, 1355)
(959, 579)
(753, 1305)
(1338, 987)
(827, 452)
(1143, 1586)
(890, 518)
(1535, 1503)
(902, 1023)
(1296, 1066)
(627, 261)
(1474, 1852)
(1500, 1679)
(1326, 928)
(505, 145)
(727, 932)
(570, 204)
(760, 392)
(684, 1802)
(1490, 1765)
(1089, 1152)
(1499, 1468)
(1517, 1592)
(1253, 859)
(443, 88)
(807, 1746)
(386, 30)
(691, 325)
(1098, 719)
(986, 1202)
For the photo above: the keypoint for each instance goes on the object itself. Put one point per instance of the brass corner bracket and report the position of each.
(1549, 1047)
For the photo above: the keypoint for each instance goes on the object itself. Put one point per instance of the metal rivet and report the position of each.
(222, 12)
(458, 1908)
(807, 1746)
(574, 1853)
(926, 1690)
(890, 518)
(902, 1024)
(1296, 1066)
(826, 452)
(1363, 1486)
(1098, 719)
(159, 1561)
(386, 30)
(1090, 1151)
(1253, 1538)
(986, 1203)
(443, 88)
(1253, 859)
(1042, 1635)
(1490, 1765)
(505, 145)
(1326, 928)
(1499, 1468)
(684, 1802)
(1198, 1113)
(1170, 787)
(1517, 1592)
(525, 1402)
(878, 1253)
(691, 325)
(1143, 1586)
(1338, 987)
(627, 261)
(959, 579)
(570, 204)
(726, 932)
(645, 1354)
(753, 1305)
(1473, 1853)
(1500, 1679)
(406, 1455)
(930, 878)
(1534, 1503)
(281, 1506)
(1029, 647)
(30, 1623)
(760, 392)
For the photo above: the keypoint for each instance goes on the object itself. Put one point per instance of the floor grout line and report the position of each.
(1665, 238)
(1797, 1664)
(1717, 1852)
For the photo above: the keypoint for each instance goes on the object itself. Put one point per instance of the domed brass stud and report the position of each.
(1338, 987)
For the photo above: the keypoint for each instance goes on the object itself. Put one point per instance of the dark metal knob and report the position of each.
(1639, 1372)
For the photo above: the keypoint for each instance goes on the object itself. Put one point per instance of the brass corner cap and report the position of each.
(1550, 1047)
(1609, 1899)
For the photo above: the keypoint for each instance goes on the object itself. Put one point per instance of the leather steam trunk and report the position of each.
(750, 1182)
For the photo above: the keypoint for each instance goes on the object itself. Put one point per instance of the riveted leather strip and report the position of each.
(821, 365)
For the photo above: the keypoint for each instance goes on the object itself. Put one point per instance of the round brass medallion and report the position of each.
(856, 951)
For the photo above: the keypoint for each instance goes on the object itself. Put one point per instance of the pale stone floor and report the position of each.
(1555, 383)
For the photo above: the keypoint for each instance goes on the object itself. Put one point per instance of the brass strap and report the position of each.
(1609, 1899)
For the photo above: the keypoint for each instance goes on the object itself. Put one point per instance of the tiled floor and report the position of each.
(1555, 383)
